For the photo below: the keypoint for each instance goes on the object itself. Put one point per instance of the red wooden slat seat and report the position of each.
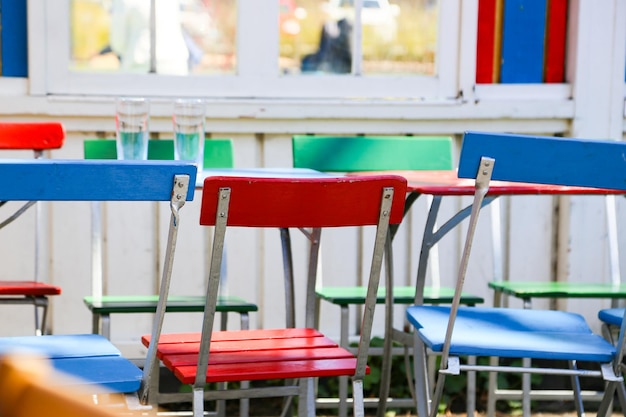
(297, 355)
(313, 368)
(38, 137)
(272, 355)
(28, 288)
(235, 342)
(234, 335)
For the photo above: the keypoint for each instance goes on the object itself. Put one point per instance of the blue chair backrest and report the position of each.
(93, 180)
(547, 160)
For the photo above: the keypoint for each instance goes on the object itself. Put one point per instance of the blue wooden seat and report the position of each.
(458, 331)
(611, 316)
(93, 359)
(30, 386)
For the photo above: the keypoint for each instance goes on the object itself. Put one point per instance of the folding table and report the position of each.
(439, 184)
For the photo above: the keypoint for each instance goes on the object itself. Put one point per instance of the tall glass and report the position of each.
(188, 120)
(131, 122)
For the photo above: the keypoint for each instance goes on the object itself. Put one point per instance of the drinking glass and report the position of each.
(131, 122)
(188, 119)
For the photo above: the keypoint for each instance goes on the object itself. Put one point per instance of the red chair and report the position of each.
(38, 137)
(296, 355)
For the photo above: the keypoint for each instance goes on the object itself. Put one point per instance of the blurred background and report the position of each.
(397, 37)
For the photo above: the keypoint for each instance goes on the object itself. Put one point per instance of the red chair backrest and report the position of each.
(303, 202)
(36, 135)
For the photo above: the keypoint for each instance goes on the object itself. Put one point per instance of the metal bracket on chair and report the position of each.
(454, 366)
(179, 194)
(484, 173)
(177, 200)
(608, 373)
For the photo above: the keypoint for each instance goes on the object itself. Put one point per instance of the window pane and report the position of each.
(190, 36)
(398, 36)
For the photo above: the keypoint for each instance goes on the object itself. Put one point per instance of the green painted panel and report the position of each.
(372, 153)
(218, 153)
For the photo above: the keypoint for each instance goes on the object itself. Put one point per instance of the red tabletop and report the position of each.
(447, 183)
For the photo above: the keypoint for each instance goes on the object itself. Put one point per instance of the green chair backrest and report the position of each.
(218, 153)
(372, 153)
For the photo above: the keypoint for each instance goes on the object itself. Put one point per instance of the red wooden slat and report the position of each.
(172, 361)
(37, 135)
(270, 370)
(246, 345)
(302, 202)
(194, 337)
(28, 288)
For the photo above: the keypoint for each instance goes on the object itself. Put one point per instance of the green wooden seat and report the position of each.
(218, 153)
(528, 290)
(345, 296)
(549, 289)
(175, 304)
(376, 153)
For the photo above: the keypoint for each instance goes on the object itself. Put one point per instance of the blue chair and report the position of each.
(92, 359)
(458, 331)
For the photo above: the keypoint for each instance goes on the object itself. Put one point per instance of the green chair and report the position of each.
(381, 153)
(218, 153)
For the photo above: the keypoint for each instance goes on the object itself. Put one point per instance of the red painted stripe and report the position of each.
(485, 44)
(554, 70)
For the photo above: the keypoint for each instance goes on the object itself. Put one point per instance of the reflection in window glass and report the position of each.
(398, 36)
(181, 37)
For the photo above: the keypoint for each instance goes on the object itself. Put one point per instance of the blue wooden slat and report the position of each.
(81, 180)
(60, 346)
(549, 160)
(523, 41)
(114, 373)
(14, 39)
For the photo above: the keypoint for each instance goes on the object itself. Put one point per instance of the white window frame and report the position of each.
(258, 71)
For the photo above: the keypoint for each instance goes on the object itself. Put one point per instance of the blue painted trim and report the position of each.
(523, 41)
(548, 160)
(91, 180)
(14, 38)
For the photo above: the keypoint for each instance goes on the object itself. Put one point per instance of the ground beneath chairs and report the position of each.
(272, 406)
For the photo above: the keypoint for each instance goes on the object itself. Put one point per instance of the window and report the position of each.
(256, 49)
